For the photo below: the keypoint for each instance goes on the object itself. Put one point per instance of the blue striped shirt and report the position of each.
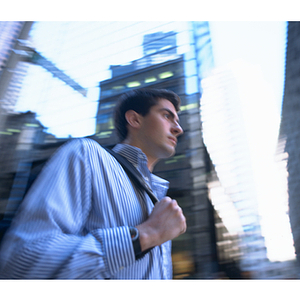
(74, 222)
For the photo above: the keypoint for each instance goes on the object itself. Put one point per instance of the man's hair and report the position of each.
(141, 101)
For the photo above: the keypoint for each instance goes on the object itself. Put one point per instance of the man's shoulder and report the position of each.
(84, 142)
(80, 147)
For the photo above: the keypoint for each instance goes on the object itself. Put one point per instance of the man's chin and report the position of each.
(170, 152)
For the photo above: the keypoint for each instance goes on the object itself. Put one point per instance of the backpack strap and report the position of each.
(133, 174)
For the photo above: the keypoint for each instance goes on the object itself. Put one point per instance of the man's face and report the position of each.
(159, 131)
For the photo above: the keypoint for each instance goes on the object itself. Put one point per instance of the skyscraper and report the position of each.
(290, 130)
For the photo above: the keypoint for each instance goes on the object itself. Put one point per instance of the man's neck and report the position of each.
(151, 162)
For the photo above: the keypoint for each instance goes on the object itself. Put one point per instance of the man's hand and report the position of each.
(165, 223)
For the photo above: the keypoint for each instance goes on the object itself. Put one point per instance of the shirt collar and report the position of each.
(138, 158)
(132, 154)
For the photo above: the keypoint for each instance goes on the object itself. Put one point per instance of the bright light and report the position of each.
(133, 84)
(240, 129)
(165, 75)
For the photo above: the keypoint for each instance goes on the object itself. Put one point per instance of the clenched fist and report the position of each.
(165, 223)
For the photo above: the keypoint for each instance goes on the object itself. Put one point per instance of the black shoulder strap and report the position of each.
(133, 174)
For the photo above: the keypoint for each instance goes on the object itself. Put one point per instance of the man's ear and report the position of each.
(133, 118)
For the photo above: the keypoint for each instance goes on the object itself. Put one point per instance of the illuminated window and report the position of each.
(107, 105)
(175, 159)
(165, 47)
(188, 106)
(104, 134)
(111, 124)
(118, 87)
(151, 51)
(166, 75)
(133, 84)
(150, 79)
(31, 125)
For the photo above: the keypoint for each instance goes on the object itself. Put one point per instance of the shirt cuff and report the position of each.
(118, 248)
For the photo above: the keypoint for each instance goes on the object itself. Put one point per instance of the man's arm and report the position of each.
(48, 239)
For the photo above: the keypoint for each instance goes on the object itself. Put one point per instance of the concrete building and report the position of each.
(290, 130)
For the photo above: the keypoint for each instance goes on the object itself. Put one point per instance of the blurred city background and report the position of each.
(235, 172)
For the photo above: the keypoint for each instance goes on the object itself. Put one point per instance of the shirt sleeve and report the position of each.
(48, 239)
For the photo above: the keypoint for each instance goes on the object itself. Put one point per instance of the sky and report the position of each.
(85, 53)
(260, 43)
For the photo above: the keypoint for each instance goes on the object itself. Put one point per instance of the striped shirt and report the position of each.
(74, 222)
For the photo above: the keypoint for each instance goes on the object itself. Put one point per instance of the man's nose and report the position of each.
(177, 130)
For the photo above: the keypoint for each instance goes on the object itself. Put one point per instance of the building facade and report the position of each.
(290, 129)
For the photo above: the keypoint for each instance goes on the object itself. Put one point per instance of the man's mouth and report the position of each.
(174, 140)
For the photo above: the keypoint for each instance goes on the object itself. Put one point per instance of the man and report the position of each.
(84, 219)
